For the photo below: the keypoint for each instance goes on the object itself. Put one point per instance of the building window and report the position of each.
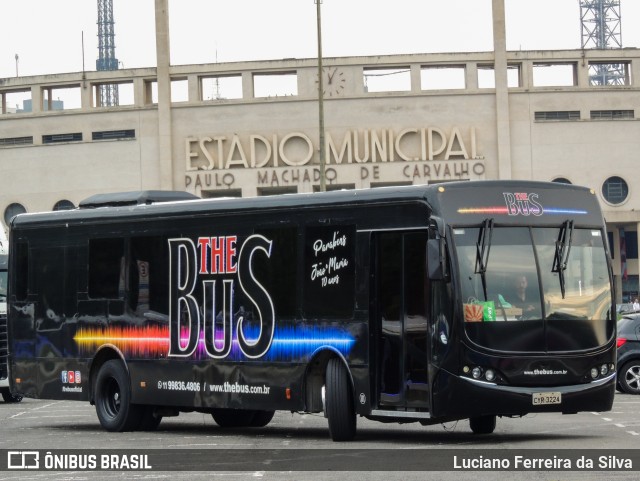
(630, 288)
(558, 115)
(561, 180)
(631, 244)
(328, 187)
(612, 114)
(52, 139)
(275, 84)
(608, 73)
(113, 134)
(219, 194)
(555, 74)
(277, 190)
(610, 237)
(442, 77)
(16, 141)
(13, 210)
(64, 205)
(615, 190)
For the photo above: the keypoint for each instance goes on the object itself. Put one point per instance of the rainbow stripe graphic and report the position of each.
(499, 210)
(289, 343)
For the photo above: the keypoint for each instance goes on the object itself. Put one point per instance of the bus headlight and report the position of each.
(476, 372)
(490, 375)
(594, 372)
(604, 369)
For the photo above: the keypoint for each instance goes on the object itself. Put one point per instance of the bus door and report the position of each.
(401, 354)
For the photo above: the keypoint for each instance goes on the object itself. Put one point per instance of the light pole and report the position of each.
(17, 65)
(323, 182)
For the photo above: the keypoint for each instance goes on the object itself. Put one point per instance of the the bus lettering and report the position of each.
(217, 318)
(221, 252)
(521, 203)
(182, 305)
(258, 296)
(186, 264)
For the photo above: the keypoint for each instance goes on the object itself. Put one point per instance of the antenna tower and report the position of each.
(106, 52)
(601, 30)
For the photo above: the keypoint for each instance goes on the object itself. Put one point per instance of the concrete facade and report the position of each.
(212, 145)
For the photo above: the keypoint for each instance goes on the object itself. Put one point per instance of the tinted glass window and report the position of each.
(48, 283)
(148, 275)
(278, 273)
(21, 274)
(106, 268)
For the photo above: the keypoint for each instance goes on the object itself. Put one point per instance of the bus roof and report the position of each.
(514, 202)
(456, 202)
(89, 209)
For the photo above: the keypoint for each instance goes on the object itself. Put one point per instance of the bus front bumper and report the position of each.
(464, 397)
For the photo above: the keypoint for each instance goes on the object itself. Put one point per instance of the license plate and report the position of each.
(540, 398)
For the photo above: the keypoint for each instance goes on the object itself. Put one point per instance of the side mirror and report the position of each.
(435, 256)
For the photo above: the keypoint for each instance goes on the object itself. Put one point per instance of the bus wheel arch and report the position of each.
(105, 353)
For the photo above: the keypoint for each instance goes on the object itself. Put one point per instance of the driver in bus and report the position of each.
(523, 300)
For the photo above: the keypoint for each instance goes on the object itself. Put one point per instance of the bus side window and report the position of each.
(149, 275)
(278, 273)
(21, 274)
(48, 282)
(105, 268)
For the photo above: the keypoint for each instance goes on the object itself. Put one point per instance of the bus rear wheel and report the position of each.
(113, 398)
(9, 397)
(261, 418)
(339, 405)
(482, 424)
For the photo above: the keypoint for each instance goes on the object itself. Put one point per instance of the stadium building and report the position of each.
(252, 128)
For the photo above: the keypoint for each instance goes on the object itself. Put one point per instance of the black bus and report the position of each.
(463, 300)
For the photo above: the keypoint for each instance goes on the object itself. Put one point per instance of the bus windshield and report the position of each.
(555, 281)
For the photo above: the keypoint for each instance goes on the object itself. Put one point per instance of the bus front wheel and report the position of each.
(482, 424)
(113, 398)
(339, 406)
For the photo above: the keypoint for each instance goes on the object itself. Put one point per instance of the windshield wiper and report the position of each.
(563, 247)
(483, 246)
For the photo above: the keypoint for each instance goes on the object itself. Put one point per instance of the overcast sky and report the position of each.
(47, 35)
